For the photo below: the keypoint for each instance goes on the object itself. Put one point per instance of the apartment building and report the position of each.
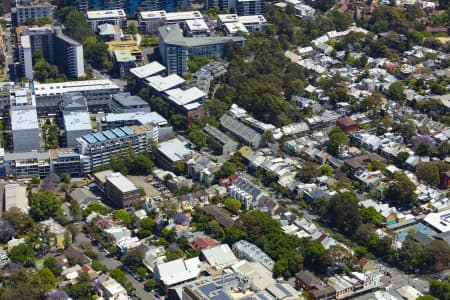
(98, 94)
(249, 7)
(175, 49)
(70, 54)
(149, 21)
(101, 146)
(24, 128)
(27, 164)
(96, 18)
(26, 9)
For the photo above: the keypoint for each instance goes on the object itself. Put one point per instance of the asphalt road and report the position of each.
(112, 263)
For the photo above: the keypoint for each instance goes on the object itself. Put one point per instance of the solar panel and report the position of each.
(99, 136)
(127, 130)
(118, 132)
(283, 289)
(90, 138)
(109, 134)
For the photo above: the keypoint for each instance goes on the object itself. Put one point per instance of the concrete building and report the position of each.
(126, 103)
(175, 49)
(76, 124)
(27, 164)
(70, 54)
(171, 152)
(197, 28)
(219, 257)
(51, 40)
(149, 21)
(177, 271)
(26, 9)
(24, 128)
(98, 94)
(66, 160)
(121, 191)
(304, 11)
(232, 23)
(74, 101)
(160, 84)
(25, 56)
(222, 4)
(100, 146)
(123, 61)
(249, 7)
(223, 142)
(15, 195)
(96, 18)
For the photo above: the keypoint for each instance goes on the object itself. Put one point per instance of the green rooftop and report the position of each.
(123, 56)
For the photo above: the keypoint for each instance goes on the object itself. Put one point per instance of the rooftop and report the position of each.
(183, 15)
(252, 19)
(172, 35)
(196, 25)
(100, 137)
(73, 86)
(106, 14)
(24, 117)
(153, 14)
(182, 97)
(126, 99)
(124, 56)
(161, 84)
(143, 117)
(121, 182)
(148, 70)
(226, 18)
(16, 196)
(174, 149)
(219, 256)
(178, 270)
(235, 27)
(77, 120)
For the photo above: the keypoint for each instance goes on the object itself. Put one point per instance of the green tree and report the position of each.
(76, 25)
(401, 190)
(196, 62)
(179, 121)
(123, 215)
(46, 280)
(44, 71)
(343, 212)
(96, 53)
(132, 28)
(440, 289)
(52, 265)
(95, 207)
(370, 215)
(45, 205)
(428, 172)
(198, 137)
(228, 168)
(21, 221)
(233, 205)
(75, 209)
(395, 91)
(147, 226)
(337, 139)
(308, 172)
(326, 170)
(22, 254)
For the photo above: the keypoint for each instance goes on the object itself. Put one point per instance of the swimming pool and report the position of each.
(403, 234)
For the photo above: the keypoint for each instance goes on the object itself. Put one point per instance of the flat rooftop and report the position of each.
(196, 25)
(121, 182)
(183, 97)
(125, 99)
(172, 35)
(24, 117)
(77, 120)
(124, 56)
(106, 14)
(153, 14)
(235, 27)
(108, 135)
(148, 70)
(45, 89)
(143, 117)
(258, 19)
(183, 15)
(226, 18)
(161, 84)
(174, 149)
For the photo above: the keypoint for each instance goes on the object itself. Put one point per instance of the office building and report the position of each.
(188, 102)
(101, 146)
(15, 195)
(27, 164)
(70, 54)
(232, 24)
(26, 9)
(26, 57)
(126, 103)
(24, 128)
(121, 191)
(76, 124)
(95, 18)
(175, 49)
(98, 94)
(196, 28)
(159, 84)
(249, 7)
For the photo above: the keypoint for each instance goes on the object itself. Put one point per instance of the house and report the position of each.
(202, 243)
(306, 280)
(58, 233)
(111, 288)
(347, 124)
(362, 161)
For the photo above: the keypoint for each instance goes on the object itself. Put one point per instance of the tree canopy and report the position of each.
(45, 205)
(401, 190)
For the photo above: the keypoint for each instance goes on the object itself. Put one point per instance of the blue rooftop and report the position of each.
(109, 134)
(118, 132)
(127, 130)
